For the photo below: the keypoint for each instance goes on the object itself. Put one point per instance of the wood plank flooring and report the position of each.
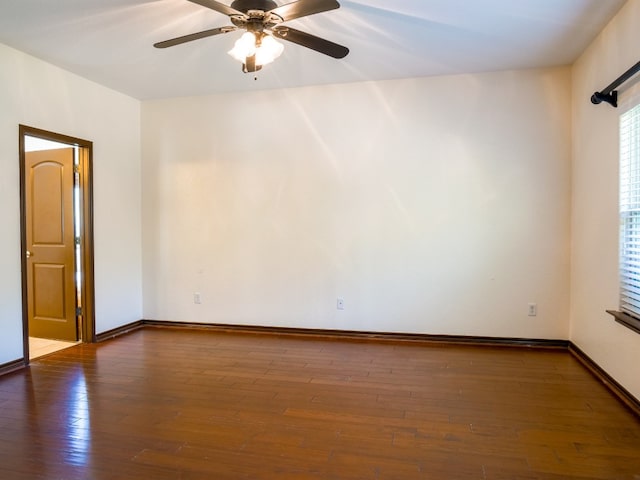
(189, 404)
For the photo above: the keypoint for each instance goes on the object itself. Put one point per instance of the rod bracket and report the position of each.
(610, 98)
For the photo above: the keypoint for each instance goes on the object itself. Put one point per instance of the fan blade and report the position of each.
(302, 8)
(310, 41)
(194, 36)
(218, 7)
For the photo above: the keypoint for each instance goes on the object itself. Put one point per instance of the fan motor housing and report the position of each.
(246, 5)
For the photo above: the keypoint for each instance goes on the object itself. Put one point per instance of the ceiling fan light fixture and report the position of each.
(269, 50)
(265, 51)
(244, 47)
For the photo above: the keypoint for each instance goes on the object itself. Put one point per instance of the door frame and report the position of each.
(87, 291)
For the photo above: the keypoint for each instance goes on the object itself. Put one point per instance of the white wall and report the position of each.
(595, 224)
(436, 205)
(37, 94)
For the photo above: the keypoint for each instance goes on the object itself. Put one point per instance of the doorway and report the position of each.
(57, 241)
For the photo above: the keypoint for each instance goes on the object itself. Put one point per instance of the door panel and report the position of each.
(48, 290)
(50, 244)
(47, 213)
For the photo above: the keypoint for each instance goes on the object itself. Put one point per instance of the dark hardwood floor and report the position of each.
(188, 404)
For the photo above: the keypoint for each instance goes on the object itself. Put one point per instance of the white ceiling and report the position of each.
(110, 41)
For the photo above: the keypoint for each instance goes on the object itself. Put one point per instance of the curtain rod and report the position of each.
(610, 94)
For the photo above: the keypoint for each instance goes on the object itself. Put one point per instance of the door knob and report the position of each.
(29, 254)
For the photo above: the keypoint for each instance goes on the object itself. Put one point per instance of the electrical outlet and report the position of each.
(340, 304)
(533, 309)
(196, 298)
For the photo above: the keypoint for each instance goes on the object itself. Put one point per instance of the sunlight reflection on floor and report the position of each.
(39, 347)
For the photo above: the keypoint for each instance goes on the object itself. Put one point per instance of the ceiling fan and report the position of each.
(262, 21)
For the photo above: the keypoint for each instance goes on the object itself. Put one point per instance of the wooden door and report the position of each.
(50, 240)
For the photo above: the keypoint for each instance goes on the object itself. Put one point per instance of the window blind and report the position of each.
(630, 211)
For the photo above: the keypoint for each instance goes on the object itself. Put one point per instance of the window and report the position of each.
(630, 216)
